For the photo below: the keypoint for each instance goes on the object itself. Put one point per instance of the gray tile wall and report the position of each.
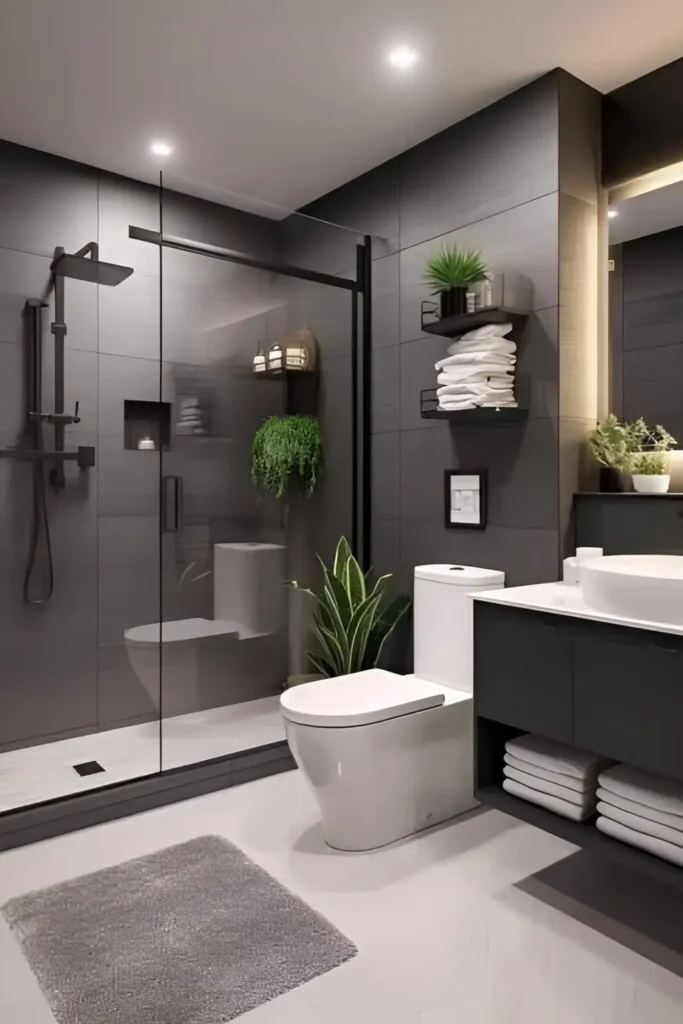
(490, 182)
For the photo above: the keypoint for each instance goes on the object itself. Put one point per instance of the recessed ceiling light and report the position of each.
(161, 148)
(403, 57)
(612, 213)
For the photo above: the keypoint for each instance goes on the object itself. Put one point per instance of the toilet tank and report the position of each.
(442, 621)
(249, 587)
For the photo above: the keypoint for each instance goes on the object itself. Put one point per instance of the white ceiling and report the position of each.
(286, 99)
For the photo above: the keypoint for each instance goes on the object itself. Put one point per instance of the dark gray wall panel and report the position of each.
(386, 277)
(653, 322)
(523, 239)
(129, 318)
(121, 697)
(653, 265)
(385, 477)
(201, 221)
(653, 386)
(386, 368)
(526, 556)
(45, 201)
(497, 159)
(123, 203)
(128, 557)
(522, 467)
(367, 205)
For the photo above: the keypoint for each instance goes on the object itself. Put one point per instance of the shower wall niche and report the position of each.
(170, 631)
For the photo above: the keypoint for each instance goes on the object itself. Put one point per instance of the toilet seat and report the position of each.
(363, 698)
(177, 631)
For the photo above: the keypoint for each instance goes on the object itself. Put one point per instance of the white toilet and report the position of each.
(388, 755)
(194, 653)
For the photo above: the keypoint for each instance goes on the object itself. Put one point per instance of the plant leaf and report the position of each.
(354, 582)
(338, 595)
(321, 666)
(331, 647)
(360, 629)
(384, 627)
(341, 557)
(339, 626)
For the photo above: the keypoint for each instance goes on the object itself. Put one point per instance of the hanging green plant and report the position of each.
(287, 454)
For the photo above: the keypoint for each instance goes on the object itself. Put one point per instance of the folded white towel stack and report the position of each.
(481, 365)
(642, 809)
(553, 775)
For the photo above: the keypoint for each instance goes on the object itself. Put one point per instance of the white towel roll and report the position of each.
(552, 803)
(645, 788)
(583, 799)
(644, 825)
(660, 848)
(567, 781)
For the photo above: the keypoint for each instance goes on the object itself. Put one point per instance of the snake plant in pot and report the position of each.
(353, 618)
(450, 272)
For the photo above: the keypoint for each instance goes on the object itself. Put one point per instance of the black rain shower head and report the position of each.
(88, 268)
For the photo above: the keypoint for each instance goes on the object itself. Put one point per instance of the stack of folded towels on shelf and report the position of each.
(553, 775)
(479, 370)
(642, 809)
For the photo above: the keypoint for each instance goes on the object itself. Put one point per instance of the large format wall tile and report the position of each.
(121, 698)
(521, 463)
(497, 159)
(26, 276)
(386, 277)
(385, 475)
(526, 556)
(199, 220)
(130, 322)
(653, 385)
(129, 568)
(123, 203)
(654, 321)
(523, 240)
(386, 369)
(45, 201)
(653, 265)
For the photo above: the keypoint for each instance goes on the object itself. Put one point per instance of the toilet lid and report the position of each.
(177, 631)
(358, 699)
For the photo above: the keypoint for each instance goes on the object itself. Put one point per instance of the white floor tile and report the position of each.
(46, 771)
(443, 933)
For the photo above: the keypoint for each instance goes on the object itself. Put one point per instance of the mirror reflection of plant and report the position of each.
(353, 619)
(451, 267)
(616, 444)
(287, 454)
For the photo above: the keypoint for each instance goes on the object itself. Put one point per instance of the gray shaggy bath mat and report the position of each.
(194, 934)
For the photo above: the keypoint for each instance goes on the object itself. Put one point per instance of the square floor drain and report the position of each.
(88, 768)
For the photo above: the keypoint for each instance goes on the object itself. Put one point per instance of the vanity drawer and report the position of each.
(628, 688)
(523, 670)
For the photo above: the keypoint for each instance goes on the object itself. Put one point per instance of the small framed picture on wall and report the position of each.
(465, 499)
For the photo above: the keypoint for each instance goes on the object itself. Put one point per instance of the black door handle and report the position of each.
(172, 504)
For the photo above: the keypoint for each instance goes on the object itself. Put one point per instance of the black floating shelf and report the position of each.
(583, 834)
(284, 374)
(461, 323)
(429, 410)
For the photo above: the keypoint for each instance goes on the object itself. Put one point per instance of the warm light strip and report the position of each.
(647, 183)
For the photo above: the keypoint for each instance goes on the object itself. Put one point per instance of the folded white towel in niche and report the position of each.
(487, 331)
(459, 402)
(552, 803)
(476, 359)
(557, 757)
(585, 798)
(645, 788)
(634, 821)
(501, 345)
(660, 848)
(566, 781)
(651, 813)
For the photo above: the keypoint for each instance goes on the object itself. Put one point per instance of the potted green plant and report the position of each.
(353, 618)
(649, 466)
(612, 443)
(450, 272)
(287, 454)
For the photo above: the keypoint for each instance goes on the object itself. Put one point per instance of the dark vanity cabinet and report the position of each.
(610, 689)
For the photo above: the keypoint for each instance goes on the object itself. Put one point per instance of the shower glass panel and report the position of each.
(260, 319)
(79, 506)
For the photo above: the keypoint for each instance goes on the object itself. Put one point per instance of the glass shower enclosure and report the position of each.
(146, 621)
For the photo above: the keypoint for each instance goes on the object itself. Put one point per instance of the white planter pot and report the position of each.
(651, 484)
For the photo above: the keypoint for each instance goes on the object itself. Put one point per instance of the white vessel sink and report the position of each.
(636, 587)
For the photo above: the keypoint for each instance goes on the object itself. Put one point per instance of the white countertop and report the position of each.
(565, 599)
